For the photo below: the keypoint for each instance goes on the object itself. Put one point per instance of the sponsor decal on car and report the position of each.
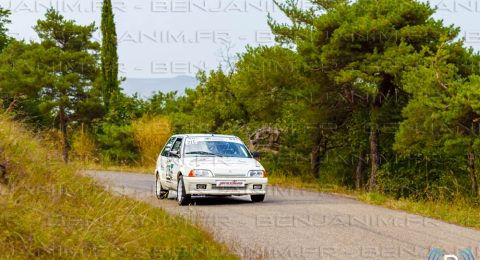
(232, 183)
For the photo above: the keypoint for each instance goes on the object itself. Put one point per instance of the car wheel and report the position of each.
(257, 198)
(182, 198)
(159, 191)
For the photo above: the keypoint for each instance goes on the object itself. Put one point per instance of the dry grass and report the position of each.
(150, 134)
(48, 210)
(117, 168)
(462, 211)
(83, 146)
(308, 184)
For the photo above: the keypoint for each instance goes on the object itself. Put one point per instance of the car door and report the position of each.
(173, 163)
(163, 160)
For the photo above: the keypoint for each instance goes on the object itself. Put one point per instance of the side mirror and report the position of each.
(256, 155)
(174, 153)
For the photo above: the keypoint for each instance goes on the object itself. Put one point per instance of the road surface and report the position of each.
(298, 224)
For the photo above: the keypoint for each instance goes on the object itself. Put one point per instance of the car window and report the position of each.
(177, 145)
(216, 148)
(168, 146)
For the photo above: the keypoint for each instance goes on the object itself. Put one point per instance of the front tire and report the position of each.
(182, 198)
(159, 191)
(257, 198)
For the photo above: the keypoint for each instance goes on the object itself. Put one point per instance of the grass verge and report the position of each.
(461, 211)
(117, 168)
(48, 210)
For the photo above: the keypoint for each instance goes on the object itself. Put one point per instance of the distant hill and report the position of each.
(146, 86)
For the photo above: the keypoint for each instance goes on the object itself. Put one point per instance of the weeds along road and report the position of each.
(297, 224)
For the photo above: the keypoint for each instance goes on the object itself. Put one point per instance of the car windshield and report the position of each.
(216, 148)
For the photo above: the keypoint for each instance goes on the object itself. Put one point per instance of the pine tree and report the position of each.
(360, 49)
(4, 21)
(109, 56)
(69, 68)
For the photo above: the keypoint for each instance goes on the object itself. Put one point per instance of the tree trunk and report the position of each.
(12, 104)
(63, 128)
(375, 157)
(316, 155)
(473, 174)
(385, 89)
(3, 174)
(360, 170)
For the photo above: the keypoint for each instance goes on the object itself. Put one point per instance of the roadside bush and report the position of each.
(83, 146)
(150, 133)
(440, 177)
(116, 144)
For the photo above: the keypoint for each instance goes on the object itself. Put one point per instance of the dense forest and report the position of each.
(370, 94)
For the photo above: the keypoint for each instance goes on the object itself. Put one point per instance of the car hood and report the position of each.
(223, 166)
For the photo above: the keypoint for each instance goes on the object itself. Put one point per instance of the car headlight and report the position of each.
(257, 174)
(200, 173)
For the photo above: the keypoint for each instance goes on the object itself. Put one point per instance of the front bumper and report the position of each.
(212, 189)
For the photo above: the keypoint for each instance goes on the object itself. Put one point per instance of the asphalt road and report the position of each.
(298, 224)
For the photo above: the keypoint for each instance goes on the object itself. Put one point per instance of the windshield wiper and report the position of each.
(204, 153)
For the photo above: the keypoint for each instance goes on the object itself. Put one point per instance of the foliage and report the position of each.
(442, 117)
(4, 20)
(215, 101)
(83, 146)
(114, 133)
(52, 82)
(116, 143)
(19, 82)
(150, 134)
(260, 83)
(109, 56)
(361, 49)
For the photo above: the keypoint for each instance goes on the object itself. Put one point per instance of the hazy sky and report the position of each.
(167, 38)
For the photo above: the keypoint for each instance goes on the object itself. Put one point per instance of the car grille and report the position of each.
(214, 186)
(230, 175)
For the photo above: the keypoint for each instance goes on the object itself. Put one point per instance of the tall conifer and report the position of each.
(109, 56)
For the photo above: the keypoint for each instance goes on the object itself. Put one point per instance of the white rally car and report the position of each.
(213, 165)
